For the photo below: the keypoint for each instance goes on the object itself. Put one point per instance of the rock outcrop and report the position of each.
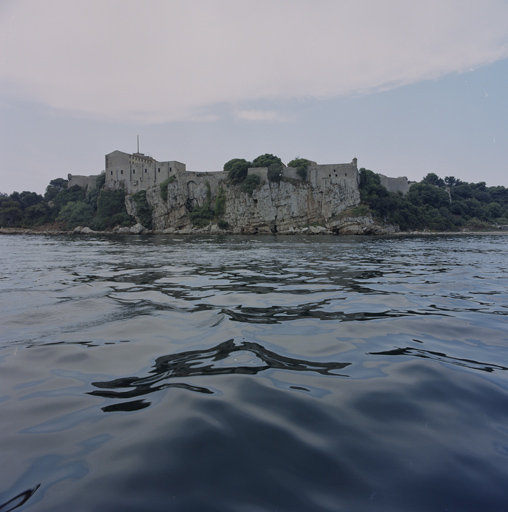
(285, 207)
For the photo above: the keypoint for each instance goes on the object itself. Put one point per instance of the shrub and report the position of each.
(111, 209)
(220, 203)
(201, 215)
(164, 187)
(143, 210)
(301, 165)
(100, 180)
(267, 160)
(76, 213)
(223, 224)
(274, 174)
(237, 170)
(67, 195)
(251, 183)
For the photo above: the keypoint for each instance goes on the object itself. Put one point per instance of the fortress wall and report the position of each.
(262, 172)
(400, 184)
(86, 182)
(290, 172)
(324, 174)
(139, 172)
(196, 178)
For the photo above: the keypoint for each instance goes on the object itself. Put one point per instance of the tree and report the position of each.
(273, 163)
(237, 169)
(433, 179)
(11, 213)
(111, 209)
(76, 213)
(251, 183)
(424, 194)
(301, 165)
(451, 181)
(67, 195)
(54, 187)
(29, 199)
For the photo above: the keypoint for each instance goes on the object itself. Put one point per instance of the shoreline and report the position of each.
(53, 232)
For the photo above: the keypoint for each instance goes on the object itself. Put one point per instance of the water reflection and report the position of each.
(18, 500)
(440, 356)
(246, 358)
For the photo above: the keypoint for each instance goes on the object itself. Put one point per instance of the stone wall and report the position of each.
(137, 172)
(86, 182)
(400, 184)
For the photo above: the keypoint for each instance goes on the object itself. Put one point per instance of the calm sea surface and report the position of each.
(254, 374)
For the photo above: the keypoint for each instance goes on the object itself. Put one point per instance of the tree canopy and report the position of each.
(237, 169)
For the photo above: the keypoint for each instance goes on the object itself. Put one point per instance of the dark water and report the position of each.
(254, 374)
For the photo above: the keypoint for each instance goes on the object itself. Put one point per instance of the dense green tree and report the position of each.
(111, 209)
(273, 163)
(451, 181)
(54, 187)
(251, 183)
(67, 195)
(421, 194)
(433, 179)
(11, 212)
(37, 214)
(76, 213)
(29, 199)
(237, 169)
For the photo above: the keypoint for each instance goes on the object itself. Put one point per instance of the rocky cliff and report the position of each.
(285, 207)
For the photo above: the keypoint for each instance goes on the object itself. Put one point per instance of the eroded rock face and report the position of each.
(287, 207)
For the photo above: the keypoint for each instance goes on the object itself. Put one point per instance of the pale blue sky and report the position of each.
(406, 90)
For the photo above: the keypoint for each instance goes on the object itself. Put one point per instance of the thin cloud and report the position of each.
(159, 61)
(270, 116)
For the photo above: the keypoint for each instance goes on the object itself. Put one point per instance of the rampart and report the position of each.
(86, 182)
(400, 184)
(134, 172)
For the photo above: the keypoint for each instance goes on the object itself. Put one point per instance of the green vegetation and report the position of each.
(76, 213)
(273, 163)
(111, 210)
(220, 203)
(250, 184)
(436, 204)
(202, 215)
(164, 187)
(237, 170)
(433, 204)
(143, 209)
(301, 165)
(68, 207)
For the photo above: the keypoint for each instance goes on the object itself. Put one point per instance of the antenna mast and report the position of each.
(138, 143)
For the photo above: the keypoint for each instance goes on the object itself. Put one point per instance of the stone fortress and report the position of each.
(135, 172)
(288, 206)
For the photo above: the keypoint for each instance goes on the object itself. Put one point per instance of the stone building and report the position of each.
(137, 172)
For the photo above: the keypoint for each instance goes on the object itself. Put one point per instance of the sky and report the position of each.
(408, 88)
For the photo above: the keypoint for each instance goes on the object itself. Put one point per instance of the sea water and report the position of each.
(253, 373)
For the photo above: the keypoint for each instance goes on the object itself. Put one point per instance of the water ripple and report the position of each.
(246, 358)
